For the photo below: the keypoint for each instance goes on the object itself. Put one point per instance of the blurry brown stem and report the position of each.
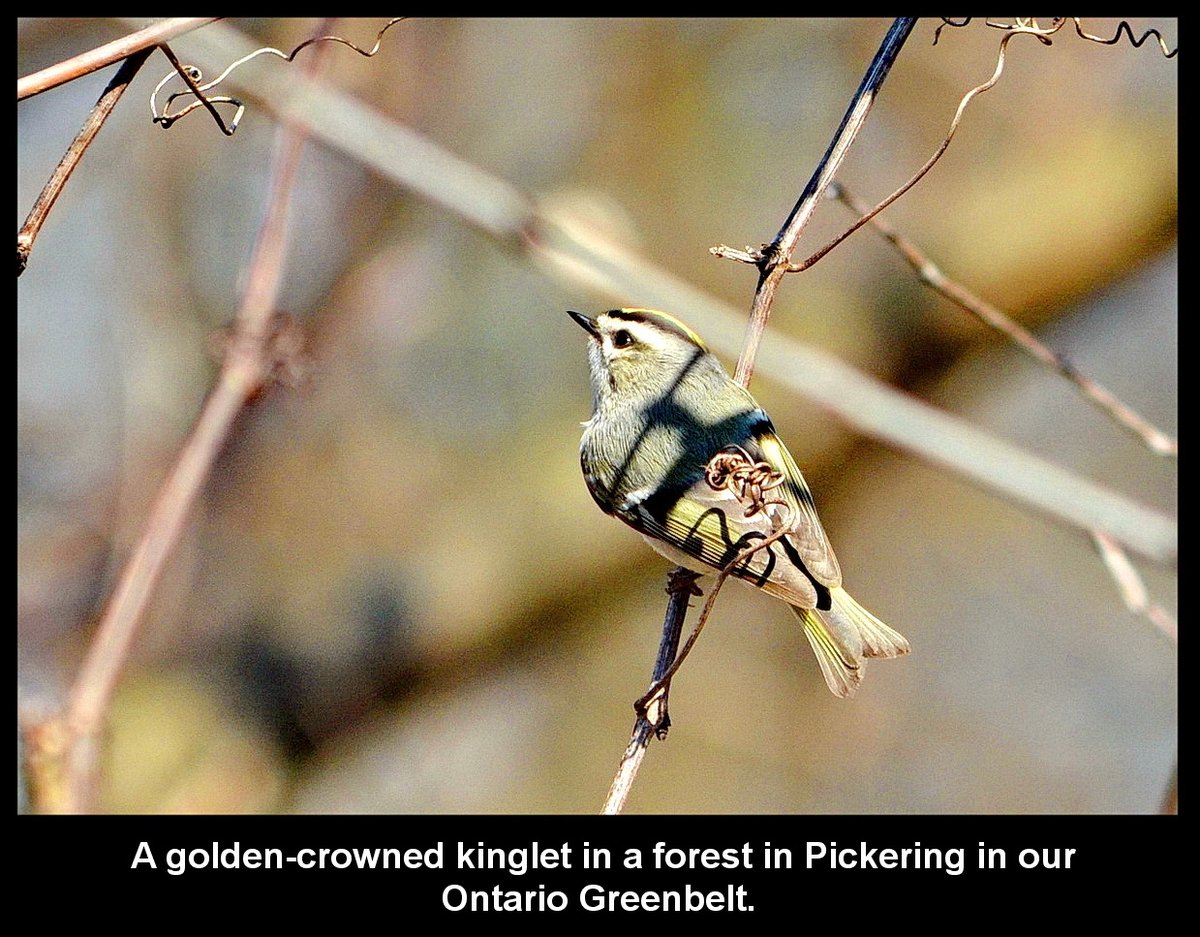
(989, 315)
(54, 186)
(249, 362)
(1170, 801)
(1132, 588)
(87, 62)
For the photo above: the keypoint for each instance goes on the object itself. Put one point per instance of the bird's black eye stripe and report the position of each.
(622, 339)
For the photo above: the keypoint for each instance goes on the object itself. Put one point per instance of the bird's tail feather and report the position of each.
(877, 638)
(842, 666)
(843, 636)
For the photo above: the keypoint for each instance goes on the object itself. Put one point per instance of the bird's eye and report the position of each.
(622, 339)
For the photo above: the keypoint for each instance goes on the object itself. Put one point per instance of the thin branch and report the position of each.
(660, 686)
(87, 62)
(989, 315)
(251, 358)
(778, 255)
(58, 179)
(1132, 588)
(929, 163)
(653, 719)
(653, 722)
(631, 761)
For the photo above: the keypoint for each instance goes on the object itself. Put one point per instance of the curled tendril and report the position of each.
(1137, 43)
(1043, 33)
(192, 76)
(733, 468)
(950, 21)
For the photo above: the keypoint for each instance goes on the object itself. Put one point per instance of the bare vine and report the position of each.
(192, 76)
(1030, 25)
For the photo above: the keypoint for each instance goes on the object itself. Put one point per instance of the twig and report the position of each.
(191, 75)
(660, 686)
(87, 62)
(776, 257)
(989, 315)
(929, 163)
(249, 362)
(680, 587)
(653, 718)
(1132, 588)
(58, 179)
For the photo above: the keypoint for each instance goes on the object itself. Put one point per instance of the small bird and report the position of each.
(686, 457)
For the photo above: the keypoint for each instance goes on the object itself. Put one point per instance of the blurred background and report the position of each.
(396, 594)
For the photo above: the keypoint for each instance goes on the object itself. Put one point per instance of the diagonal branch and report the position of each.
(654, 722)
(1129, 583)
(62, 172)
(777, 257)
(95, 59)
(1133, 590)
(929, 274)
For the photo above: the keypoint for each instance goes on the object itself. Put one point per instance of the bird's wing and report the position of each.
(808, 536)
(714, 523)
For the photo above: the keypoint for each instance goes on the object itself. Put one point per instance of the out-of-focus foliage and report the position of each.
(397, 595)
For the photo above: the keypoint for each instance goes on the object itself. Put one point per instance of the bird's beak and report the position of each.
(586, 323)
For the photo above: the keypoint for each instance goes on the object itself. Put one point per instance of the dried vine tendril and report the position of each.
(1135, 41)
(192, 76)
(1043, 33)
(733, 468)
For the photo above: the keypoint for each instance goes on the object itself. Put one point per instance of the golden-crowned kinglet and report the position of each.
(687, 458)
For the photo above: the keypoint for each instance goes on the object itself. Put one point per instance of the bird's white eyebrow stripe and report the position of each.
(654, 320)
(643, 332)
